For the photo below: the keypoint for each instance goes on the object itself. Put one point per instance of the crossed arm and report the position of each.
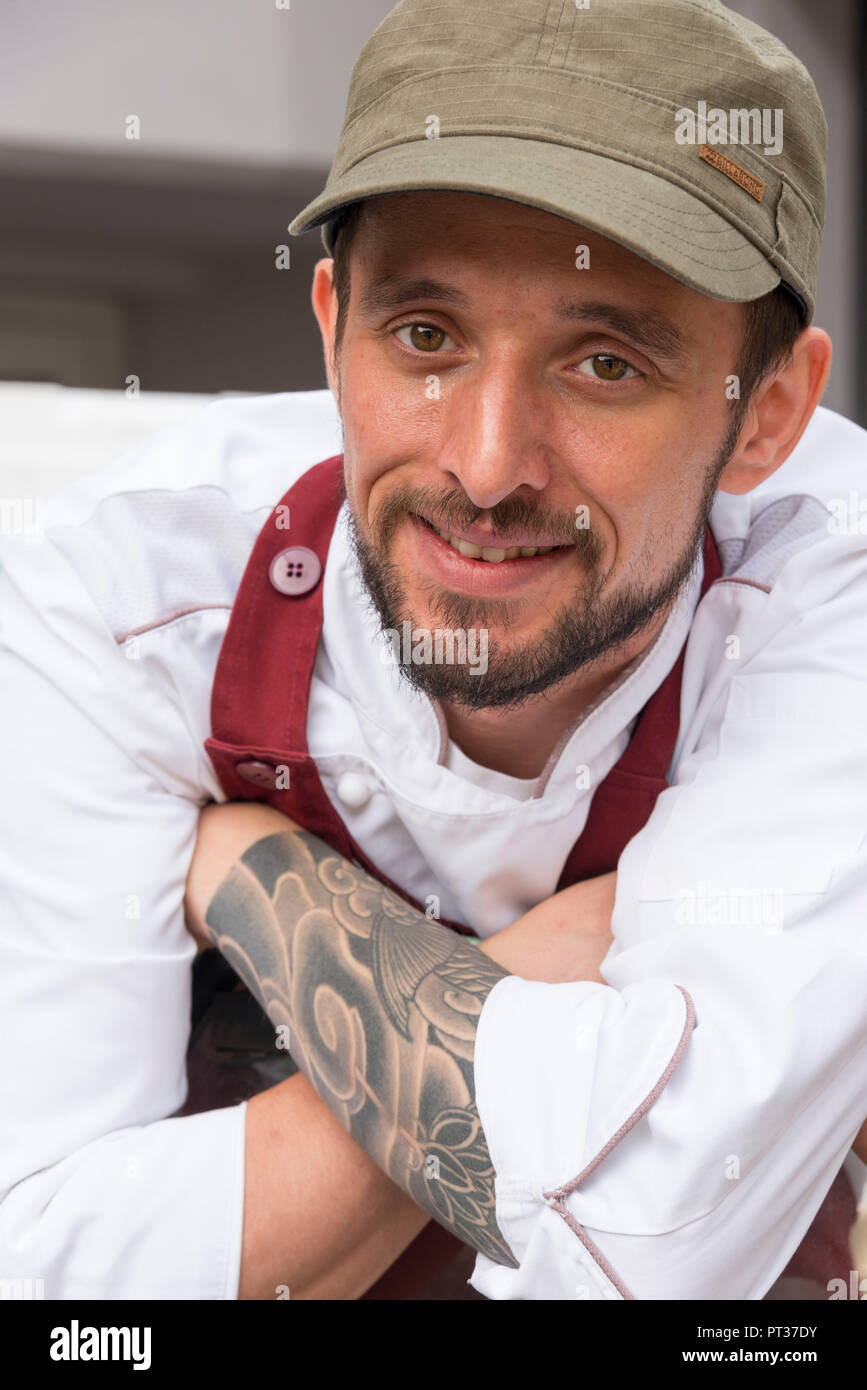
(346, 1161)
(381, 1007)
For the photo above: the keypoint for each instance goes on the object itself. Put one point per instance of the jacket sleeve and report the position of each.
(102, 1194)
(672, 1133)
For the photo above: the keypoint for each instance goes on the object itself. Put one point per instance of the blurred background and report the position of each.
(156, 256)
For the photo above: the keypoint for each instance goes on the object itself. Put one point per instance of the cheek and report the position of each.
(615, 465)
(645, 473)
(391, 421)
(384, 408)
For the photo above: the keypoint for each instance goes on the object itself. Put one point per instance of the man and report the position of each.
(569, 367)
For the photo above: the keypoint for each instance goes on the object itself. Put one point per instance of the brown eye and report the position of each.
(424, 337)
(605, 366)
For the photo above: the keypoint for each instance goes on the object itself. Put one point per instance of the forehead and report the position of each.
(472, 231)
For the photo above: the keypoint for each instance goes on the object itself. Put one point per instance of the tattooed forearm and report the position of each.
(382, 1007)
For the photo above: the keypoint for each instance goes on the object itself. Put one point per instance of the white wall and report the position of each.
(212, 79)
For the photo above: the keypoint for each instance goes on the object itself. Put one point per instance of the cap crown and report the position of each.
(616, 79)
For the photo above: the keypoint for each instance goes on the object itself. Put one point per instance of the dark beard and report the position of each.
(581, 633)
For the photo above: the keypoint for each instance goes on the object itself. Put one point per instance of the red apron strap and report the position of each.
(624, 800)
(258, 746)
(262, 684)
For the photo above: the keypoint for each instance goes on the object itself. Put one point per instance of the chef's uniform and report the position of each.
(672, 1133)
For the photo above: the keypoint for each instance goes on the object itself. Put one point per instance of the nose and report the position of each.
(494, 442)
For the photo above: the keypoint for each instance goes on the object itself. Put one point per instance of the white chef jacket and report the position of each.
(741, 906)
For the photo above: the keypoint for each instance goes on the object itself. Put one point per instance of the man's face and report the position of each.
(515, 401)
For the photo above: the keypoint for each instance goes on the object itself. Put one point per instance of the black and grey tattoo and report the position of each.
(381, 1006)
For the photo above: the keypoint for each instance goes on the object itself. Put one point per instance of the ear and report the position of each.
(778, 413)
(324, 302)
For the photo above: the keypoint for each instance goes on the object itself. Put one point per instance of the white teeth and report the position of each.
(493, 554)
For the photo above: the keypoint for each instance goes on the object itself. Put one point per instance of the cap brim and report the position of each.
(640, 210)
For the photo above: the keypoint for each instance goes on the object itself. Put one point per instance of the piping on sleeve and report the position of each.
(556, 1196)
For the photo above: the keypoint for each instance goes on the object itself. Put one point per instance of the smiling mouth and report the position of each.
(493, 555)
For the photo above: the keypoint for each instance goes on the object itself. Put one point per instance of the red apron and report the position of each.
(259, 723)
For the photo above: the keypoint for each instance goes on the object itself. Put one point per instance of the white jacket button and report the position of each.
(295, 571)
(354, 790)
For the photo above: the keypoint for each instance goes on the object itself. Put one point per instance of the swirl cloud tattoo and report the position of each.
(382, 1007)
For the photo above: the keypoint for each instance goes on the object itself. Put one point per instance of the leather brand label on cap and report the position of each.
(748, 181)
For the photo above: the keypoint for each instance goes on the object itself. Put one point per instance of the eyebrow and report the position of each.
(391, 291)
(645, 328)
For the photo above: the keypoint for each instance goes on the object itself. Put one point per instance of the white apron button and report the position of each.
(259, 773)
(354, 790)
(295, 571)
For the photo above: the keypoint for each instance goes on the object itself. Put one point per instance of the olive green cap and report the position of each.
(676, 128)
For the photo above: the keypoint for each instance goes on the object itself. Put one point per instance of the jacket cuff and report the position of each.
(563, 1073)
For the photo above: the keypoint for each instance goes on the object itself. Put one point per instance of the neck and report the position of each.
(519, 740)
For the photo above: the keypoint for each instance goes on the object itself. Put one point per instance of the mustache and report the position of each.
(455, 509)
